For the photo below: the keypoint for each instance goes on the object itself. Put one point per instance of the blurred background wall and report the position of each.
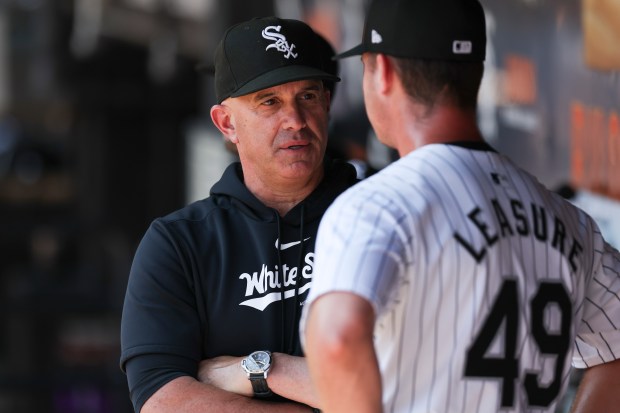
(104, 126)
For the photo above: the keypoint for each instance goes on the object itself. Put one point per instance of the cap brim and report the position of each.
(357, 50)
(282, 75)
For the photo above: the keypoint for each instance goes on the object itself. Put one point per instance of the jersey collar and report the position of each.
(475, 145)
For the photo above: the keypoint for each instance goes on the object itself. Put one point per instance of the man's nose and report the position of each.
(294, 116)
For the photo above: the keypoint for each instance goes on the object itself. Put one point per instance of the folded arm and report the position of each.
(166, 384)
(187, 395)
(288, 377)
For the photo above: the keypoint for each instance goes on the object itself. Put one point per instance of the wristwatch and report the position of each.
(257, 365)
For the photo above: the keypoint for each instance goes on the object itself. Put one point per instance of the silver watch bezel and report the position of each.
(252, 366)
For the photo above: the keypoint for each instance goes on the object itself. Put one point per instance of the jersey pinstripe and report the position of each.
(483, 282)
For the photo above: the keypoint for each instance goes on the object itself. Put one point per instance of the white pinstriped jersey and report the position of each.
(483, 281)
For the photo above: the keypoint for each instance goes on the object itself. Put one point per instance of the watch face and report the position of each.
(258, 361)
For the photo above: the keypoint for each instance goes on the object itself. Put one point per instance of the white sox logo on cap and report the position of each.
(280, 42)
(259, 54)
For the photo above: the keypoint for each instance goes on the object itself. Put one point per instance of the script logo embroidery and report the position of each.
(261, 303)
(280, 42)
(272, 284)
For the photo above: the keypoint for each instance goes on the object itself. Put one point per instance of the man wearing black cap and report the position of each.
(210, 320)
(452, 280)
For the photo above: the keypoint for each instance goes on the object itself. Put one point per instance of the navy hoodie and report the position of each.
(208, 280)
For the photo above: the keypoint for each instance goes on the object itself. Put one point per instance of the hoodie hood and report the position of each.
(338, 176)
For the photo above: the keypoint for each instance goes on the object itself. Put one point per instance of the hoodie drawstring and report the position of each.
(295, 327)
(280, 271)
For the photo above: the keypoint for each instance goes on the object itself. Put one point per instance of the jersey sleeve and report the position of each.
(159, 320)
(361, 249)
(598, 335)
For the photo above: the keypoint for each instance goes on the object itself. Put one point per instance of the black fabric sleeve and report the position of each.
(147, 373)
(160, 321)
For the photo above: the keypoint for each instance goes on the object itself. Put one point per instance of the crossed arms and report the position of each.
(222, 386)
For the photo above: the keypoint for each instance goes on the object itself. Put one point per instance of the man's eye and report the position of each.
(311, 96)
(269, 102)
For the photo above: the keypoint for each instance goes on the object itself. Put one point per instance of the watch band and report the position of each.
(259, 385)
(257, 365)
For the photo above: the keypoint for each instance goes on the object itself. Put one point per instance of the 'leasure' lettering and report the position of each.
(500, 223)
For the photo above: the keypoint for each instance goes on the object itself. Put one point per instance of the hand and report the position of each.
(225, 372)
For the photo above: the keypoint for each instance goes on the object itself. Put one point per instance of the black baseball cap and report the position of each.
(424, 29)
(265, 52)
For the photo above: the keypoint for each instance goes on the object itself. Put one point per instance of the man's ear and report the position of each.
(222, 119)
(384, 71)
